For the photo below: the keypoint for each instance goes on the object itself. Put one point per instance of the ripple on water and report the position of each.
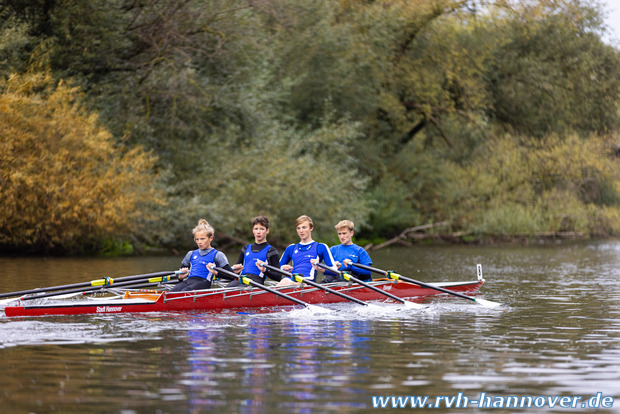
(556, 333)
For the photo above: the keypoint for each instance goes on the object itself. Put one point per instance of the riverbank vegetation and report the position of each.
(123, 122)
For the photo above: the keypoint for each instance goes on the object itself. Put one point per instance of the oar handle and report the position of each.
(274, 268)
(248, 281)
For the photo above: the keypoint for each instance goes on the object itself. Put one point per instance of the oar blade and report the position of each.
(318, 309)
(5, 302)
(487, 303)
(413, 305)
(396, 276)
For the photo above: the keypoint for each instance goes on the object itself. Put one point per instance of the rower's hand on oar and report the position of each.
(237, 268)
(286, 268)
(345, 263)
(286, 281)
(261, 265)
(315, 265)
(211, 268)
(184, 273)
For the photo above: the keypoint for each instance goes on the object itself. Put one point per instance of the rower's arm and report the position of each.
(222, 261)
(273, 260)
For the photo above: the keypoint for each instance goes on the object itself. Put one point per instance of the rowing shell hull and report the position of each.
(221, 299)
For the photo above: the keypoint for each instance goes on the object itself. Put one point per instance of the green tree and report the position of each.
(551, 72)
(219, 90)
(282, 173)
(14, 42)
(548, 185)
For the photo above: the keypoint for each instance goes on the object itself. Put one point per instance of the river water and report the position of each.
(553, 344)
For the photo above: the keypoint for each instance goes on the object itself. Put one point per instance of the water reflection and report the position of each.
(222, 352)
(558, 333)
(255, 350)
(244, 363)
(325, 354)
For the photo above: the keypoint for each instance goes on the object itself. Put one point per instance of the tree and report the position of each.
(282, 173)
(552, 184)
(65, 186)
(222, 89)
(551, 72)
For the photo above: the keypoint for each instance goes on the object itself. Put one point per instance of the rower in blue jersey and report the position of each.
(306, 253)
(346, 254)
(196, 275)
(260, 250)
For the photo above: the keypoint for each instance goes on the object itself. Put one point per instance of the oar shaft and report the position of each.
(369, 268)
(95, 288)
(260, 286)
(369, 286)
(96, 282)
(416, 282)
(41, 290)
(312, 283)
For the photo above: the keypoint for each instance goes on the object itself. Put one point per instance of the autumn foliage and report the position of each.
(498, 118)
(63, 184)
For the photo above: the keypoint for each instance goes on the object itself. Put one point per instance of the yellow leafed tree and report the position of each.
(64, 185)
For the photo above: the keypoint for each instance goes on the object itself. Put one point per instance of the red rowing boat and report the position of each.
(231, 298)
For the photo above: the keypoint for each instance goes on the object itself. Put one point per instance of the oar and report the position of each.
(148, 285)
(396, 276)
(248, 281)
(98, 282)
(348, 276)
(299, 278)
(115, 284)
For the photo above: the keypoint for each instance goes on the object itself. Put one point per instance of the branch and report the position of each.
(405, 233)
(441, 131)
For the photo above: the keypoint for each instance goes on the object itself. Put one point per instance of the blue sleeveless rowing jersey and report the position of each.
(249, 260)
(301, 254)
(199, 264)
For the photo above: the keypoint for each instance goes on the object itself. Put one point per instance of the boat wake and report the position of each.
(374, 311)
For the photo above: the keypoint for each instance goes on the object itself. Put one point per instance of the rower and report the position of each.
(305, 254)
(346, 255)
(197, 276)
(260, 250)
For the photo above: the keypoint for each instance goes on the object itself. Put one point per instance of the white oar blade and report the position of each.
(487, 303)
(413, 305)
(5, 302)
(318, 309)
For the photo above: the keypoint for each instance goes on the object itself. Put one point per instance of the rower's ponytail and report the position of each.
(203, 225)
